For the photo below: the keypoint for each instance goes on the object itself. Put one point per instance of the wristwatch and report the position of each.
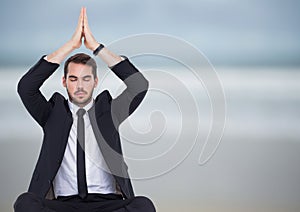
(98, 49)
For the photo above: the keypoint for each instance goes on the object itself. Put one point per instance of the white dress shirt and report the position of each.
(98, 180)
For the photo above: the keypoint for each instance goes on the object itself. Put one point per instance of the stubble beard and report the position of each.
(80, 102)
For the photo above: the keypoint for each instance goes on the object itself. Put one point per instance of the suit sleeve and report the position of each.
(29, 90)
(136, 88)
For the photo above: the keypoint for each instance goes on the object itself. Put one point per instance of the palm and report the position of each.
(78, 34)
(89, 40)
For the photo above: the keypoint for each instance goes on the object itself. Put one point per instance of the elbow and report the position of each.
(144, 90)
(144, 81)
(146, 85)
(20, 87)
(143, 87)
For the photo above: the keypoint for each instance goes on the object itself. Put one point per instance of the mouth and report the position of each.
(80, 93)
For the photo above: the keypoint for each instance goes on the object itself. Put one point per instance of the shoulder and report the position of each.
(103, 97)
(103, 101)
(59, 104)
(57, 98)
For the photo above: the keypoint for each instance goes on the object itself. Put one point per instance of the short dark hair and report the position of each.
(81, 58)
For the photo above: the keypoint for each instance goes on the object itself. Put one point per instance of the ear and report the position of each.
(64, 83)
(96, 82)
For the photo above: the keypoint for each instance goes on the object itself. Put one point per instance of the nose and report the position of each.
(79, 84)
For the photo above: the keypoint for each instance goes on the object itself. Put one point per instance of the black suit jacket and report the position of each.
(55, 118)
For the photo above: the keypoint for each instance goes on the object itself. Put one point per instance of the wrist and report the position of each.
(98, 49)
(94, 46)
(72, 45)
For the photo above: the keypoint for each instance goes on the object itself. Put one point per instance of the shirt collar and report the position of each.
(74, 107)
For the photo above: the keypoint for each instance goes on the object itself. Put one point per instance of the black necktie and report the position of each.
(81, 177)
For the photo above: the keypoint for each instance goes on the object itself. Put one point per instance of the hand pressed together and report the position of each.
(84, 35)
(83, 32)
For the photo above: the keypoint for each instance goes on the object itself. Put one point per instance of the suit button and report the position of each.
(58, 161)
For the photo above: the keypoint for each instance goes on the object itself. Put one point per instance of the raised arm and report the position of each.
(91, 43)
(136, 84)
(74, 43)
(30, 83)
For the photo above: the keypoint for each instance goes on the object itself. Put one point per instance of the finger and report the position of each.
(82, 16)
(84, 10)
(80, 20)
(85, 22)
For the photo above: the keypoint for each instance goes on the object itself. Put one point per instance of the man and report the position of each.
(81, 167)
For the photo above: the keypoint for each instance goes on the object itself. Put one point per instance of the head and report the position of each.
(80, 78)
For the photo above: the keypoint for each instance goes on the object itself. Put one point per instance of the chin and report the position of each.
(83, 101)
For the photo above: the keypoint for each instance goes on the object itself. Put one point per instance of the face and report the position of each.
(80, 83)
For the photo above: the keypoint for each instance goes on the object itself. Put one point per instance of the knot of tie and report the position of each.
(80, 112)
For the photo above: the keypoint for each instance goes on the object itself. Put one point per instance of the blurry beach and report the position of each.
(255, 167)
(254, 47)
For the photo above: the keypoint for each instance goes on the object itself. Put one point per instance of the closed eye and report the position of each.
(72, 78)
(87, 78)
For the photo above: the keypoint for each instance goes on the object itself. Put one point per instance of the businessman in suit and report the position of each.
(80, 166)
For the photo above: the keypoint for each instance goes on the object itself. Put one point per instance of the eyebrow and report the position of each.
(75, 77)
(72, 76)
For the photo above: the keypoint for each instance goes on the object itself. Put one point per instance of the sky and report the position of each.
(231, 32)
